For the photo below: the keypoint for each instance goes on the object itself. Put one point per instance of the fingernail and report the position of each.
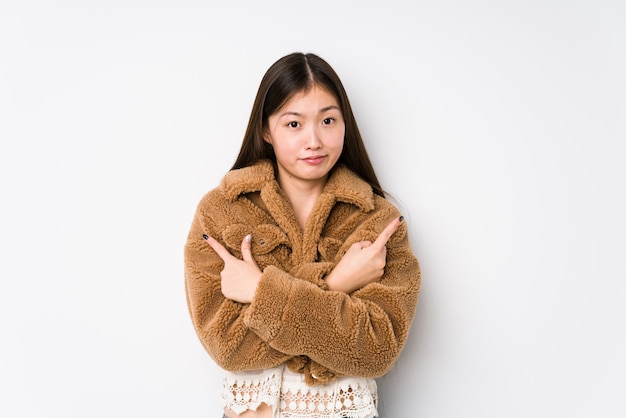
(248, 237)
(401, 218)
(205, 236)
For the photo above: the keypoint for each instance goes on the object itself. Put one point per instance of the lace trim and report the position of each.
(286, 392)
(349, 399)
(241, 392)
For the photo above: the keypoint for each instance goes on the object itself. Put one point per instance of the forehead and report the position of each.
(316, 96)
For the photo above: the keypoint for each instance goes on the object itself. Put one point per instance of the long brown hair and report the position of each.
(294, 73)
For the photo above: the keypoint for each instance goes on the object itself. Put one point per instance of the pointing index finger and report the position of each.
(217, 247)
(388, 232)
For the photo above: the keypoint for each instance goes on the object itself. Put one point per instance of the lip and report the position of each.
(314, 159)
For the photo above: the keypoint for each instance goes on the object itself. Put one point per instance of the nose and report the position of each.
(313, 140)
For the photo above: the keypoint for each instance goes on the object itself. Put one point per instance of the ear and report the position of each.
(267, 137)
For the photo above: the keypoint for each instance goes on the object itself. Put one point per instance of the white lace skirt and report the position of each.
(290, 397)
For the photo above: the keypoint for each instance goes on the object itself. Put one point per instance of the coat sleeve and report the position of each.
(218, 321)
(358, 334)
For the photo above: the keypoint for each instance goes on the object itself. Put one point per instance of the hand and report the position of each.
(363, 263)
(240, 278)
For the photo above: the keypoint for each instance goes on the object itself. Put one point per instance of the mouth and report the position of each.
(314, 159)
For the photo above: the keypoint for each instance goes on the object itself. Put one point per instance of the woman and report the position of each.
(300, 280)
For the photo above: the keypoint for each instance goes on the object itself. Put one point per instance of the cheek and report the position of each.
(284, 147)
(336, 139)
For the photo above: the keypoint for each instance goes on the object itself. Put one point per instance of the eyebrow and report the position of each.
(322, 110)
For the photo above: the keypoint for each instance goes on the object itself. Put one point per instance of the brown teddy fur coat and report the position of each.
(294, 318)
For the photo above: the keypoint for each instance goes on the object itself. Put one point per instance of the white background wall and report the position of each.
(499, 125)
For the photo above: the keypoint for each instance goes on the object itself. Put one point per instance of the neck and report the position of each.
(302, 195)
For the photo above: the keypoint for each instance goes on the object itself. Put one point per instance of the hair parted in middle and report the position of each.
(290, 75)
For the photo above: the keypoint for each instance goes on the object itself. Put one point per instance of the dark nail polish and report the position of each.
(205, 236)
(401, 218)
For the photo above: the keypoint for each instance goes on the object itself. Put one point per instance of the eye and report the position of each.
(293, 124)
(328, 121)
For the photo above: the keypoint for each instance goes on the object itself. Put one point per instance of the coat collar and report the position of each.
(343, 184)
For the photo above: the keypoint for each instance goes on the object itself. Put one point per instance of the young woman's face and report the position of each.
(307, 135)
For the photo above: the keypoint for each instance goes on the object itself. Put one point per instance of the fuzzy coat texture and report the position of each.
(294, 318)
